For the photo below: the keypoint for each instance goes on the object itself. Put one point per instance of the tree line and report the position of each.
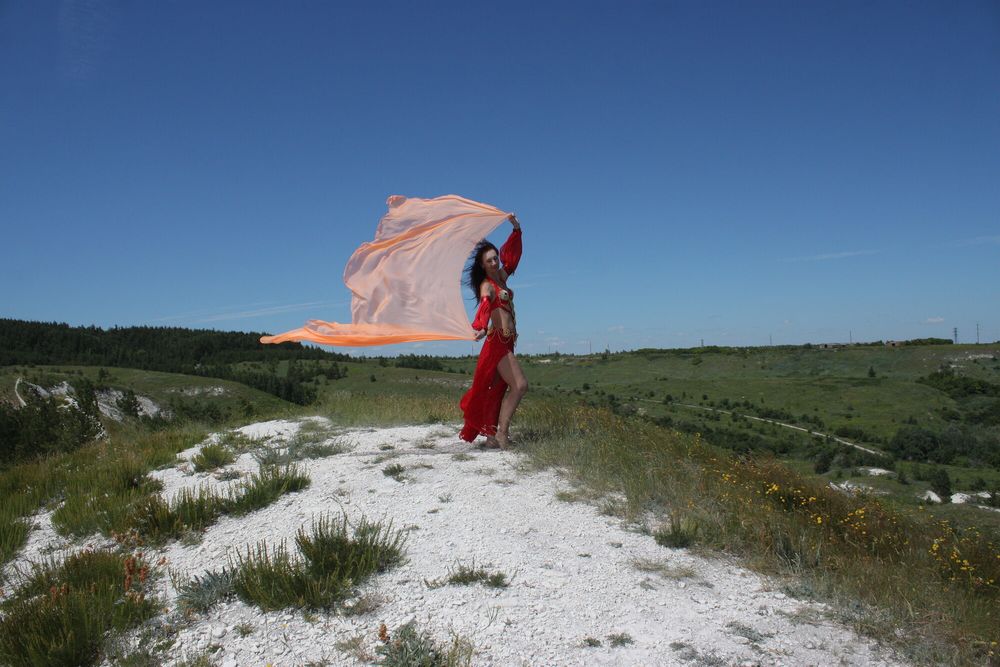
(165, 349)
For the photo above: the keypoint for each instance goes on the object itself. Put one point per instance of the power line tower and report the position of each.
(954, 332)
(977, 333)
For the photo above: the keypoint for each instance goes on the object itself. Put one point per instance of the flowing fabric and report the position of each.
(406, 283)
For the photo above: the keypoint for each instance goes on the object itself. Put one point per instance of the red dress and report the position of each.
(481, 404)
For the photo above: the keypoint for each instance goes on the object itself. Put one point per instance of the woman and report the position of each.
(499, 384)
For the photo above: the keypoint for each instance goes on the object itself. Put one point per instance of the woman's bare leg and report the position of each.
(512, 374)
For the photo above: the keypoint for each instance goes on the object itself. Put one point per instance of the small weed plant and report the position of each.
(467, 575)
(395, 471)
(620, 639)
(201, 593)
(410, 647)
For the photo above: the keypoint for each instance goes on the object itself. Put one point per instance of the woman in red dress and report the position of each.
(499, 383)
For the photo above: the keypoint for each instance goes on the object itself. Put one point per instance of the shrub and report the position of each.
(941, 484)
(63, 613)
(200, 593)
(212, 456)
(408, 647)
(333, 562)
(264, 487)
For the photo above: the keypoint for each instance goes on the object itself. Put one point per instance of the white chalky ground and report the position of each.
(572, 570)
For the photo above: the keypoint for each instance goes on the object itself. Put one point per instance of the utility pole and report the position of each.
(850, 337)
(590, 348)
(977, 333)
(954, 332)
(703, 342)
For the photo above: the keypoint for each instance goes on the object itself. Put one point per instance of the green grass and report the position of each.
(105, 482)
(212, 456)
(467, 575)
(158, 520)
(264, 487)
(62, 614)
(230, 399)
(334, 559)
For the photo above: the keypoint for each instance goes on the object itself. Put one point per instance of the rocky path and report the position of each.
(576, 577)
(584, 589)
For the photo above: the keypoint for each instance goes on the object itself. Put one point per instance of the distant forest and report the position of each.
(165, 349)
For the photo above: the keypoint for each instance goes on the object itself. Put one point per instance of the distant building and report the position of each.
(894, 343)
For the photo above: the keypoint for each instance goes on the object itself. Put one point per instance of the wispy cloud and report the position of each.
(831, 255)
(977, 240)
(934, 320)
(201, 317)
(617, 329)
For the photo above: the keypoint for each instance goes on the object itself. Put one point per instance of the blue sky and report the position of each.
(684, 171)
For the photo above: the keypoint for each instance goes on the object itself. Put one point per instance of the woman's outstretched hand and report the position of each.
(514, 221)
(480, 333)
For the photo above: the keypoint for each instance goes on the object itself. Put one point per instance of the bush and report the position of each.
(941, 484)
(333, 562)
(212, 456)
(407, 647)
(824, 461)
(43, 426)
(62, 614)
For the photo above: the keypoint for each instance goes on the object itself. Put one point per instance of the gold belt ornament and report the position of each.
(504, 333)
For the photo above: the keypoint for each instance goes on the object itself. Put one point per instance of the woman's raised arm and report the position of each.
(510, 251)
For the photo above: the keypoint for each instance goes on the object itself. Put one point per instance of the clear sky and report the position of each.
(725, 171)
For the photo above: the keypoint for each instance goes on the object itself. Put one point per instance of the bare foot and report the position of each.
(504, 441)
(491, 443)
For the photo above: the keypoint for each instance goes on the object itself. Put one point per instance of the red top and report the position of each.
(510, 255)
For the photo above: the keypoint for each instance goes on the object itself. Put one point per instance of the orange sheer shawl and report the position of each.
(407, 282)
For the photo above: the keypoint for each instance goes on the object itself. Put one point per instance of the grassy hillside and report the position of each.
(924, 578)
(212, 396)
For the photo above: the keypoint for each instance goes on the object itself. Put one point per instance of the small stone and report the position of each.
(229, 662)
(218, 632)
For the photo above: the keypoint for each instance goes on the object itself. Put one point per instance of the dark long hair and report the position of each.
(474, 272)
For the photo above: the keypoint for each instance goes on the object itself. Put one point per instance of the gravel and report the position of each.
(571, 570)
